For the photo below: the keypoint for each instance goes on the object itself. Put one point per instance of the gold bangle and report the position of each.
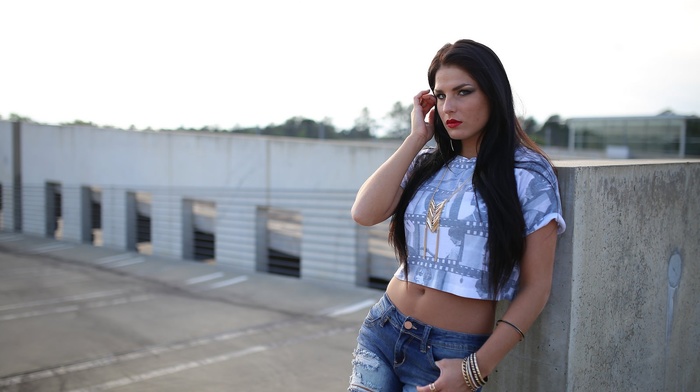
(522, 335)
(475, 368)
(465, 374)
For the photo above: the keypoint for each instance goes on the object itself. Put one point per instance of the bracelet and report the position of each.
(475, 368)
(522, 335)
(472, 374)
(467, 377)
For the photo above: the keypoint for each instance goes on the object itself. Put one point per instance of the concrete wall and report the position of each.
(9, 177)
(613, 321)
(112, 157)
(238, 174)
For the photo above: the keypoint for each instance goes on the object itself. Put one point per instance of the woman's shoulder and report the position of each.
(532, 161)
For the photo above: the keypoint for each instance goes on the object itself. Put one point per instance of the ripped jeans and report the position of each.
(396, 353)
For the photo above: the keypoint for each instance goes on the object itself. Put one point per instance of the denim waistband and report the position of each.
(426, 332)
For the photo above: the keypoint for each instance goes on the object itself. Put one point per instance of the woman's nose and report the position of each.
(447, 106)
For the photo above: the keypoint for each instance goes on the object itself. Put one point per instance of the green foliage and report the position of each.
(529, 125)
(364, 125)
(554, 132)
(400, 121)
(14, 117)
(80, 122)
(294, 127)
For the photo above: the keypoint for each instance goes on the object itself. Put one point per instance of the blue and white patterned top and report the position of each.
(461, 265)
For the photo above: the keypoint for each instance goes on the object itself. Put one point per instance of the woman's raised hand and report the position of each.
(423, 105)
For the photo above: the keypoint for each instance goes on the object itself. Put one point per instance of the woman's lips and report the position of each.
(453, 123)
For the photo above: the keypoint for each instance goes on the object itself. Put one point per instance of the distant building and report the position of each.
(664, 136)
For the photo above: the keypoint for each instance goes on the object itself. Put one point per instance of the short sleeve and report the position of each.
(538, 190)
(412, 166)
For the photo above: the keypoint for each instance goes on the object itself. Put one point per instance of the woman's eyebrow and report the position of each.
(457, 87)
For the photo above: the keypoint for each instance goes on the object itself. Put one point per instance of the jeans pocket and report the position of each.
(377, 312)
(437, 352)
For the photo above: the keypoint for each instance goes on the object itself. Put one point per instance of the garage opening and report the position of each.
(382, 261)
(138, 217)
(54, 220)
(203, 231)
(92, 215)
(281, 240)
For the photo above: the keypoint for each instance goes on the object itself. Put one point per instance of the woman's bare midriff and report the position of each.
(441, 309)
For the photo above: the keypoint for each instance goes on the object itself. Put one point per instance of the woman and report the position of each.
(433, 330)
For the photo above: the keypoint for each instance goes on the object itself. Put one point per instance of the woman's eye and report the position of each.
(465, 92)
(440, 96)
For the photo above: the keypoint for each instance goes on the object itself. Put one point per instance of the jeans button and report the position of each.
(408, 325)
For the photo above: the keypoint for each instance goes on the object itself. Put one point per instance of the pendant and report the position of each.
(432, 218)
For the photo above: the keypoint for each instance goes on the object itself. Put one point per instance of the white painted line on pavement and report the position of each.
(228, 282)
(111, 259)
(10, 237)
(172, 369)
(71, 298)
(132, 379)
(143, 353)
(352, 308)
(50, 248)
(75, 308)
(204, 278)
(125, 263)
(18, 272)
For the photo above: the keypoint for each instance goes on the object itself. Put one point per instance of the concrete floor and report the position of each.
(77, 317)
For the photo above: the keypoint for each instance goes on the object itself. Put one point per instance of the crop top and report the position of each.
(460, 266)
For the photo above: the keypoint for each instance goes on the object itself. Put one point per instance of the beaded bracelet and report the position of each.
(522, 335)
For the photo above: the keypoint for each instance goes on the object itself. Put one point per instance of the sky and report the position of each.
(166, 64)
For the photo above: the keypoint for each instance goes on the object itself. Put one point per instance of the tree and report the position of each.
(554, 132)
(80, 122)
(295, 127)
(364, 125)
(529, 124)
(400, 121)
(14, 117)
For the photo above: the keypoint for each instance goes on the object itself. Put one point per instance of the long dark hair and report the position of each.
(494, 172)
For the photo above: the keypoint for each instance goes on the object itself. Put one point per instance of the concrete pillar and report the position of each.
(187, 224)
(34, 209)
(623, 312)
(167, 215)
(75, 215)
(11, 175)
(329, 242)
(11, 211)
(237, 231)
(114, 218)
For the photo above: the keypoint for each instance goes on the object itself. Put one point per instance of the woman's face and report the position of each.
(462, 106)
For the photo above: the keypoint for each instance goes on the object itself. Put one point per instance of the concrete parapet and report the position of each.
(623, 312)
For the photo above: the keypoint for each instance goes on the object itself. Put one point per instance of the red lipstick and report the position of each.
(452, 123)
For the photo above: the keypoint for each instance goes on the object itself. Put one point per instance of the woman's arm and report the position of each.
(379, 195)
(536, 271)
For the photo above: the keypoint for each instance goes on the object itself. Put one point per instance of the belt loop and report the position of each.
(424, 340)
(384, 319)
(388, 311)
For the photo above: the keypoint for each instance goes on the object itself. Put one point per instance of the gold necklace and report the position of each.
(432, 217)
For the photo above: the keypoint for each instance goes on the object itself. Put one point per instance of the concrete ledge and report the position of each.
(615, 321)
